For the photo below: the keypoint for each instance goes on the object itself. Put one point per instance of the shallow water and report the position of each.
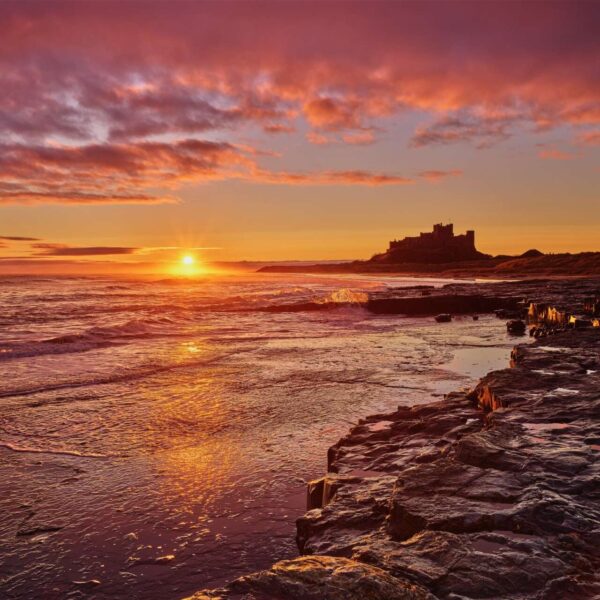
(156, 436)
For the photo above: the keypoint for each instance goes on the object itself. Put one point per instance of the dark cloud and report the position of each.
(481, 130)
(112, 173)
(64, 250)
(18, 238)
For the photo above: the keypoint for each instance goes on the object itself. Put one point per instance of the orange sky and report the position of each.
(134, 132)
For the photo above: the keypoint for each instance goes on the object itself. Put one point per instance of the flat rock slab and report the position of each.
(492, 494)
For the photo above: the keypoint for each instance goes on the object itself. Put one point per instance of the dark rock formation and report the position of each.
(443, 318)
(516, 327)
(458, 304)
(492, 494)
(319, 578)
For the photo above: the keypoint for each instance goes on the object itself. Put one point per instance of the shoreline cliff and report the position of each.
(491, 493)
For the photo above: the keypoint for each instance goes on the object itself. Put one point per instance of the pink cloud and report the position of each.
(131, 173)
(589, 138)
(551, 152)
(435, 175)
(332, 114)
(112, 173)
(98, 108)
(75, 197)
(350, 177)
(319, 139)
(278, 128)
(554, 154)
(166, 63)
(362, 138)
(365, 178)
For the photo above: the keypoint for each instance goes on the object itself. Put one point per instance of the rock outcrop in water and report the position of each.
(458, 304)
(493, 493)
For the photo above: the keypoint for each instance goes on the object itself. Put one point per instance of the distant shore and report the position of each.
(501, 267)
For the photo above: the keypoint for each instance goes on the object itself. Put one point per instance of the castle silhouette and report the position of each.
(437, 246)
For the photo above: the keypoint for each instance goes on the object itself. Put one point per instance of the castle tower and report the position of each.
(471, 238)
(443, 231)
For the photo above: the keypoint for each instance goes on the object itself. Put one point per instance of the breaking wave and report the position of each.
(346, 296)
(343, 297)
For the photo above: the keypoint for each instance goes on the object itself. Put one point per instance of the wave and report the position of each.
(346, 296)
(124, 376)
(93, 338)
(343, 297)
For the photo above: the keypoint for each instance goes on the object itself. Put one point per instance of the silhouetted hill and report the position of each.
(533, 253)
(584, 263)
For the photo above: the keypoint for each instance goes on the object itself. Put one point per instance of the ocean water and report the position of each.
(156, 435)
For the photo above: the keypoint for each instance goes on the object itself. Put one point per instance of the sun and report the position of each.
(188, 265)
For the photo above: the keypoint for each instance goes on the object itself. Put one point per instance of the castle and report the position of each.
(437, 246)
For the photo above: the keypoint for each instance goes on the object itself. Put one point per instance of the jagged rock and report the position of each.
(318, 578)
(500, 503)
(443, 318)
(516, 327)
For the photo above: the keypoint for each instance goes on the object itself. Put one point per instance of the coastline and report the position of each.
(288, 387)
(490, 490)
(585, 264)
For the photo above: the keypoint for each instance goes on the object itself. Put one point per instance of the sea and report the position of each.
(157, 434)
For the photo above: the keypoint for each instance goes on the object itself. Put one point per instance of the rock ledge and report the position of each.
(490, 494)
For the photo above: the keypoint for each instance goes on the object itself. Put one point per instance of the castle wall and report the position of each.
(439, 245)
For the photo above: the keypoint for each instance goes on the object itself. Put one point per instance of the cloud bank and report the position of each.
(111, 102)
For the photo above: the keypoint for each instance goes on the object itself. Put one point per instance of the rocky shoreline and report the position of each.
(492, 493)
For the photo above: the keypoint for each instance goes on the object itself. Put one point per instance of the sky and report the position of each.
(132, 132)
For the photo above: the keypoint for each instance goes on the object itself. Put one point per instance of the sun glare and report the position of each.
(188, 266)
